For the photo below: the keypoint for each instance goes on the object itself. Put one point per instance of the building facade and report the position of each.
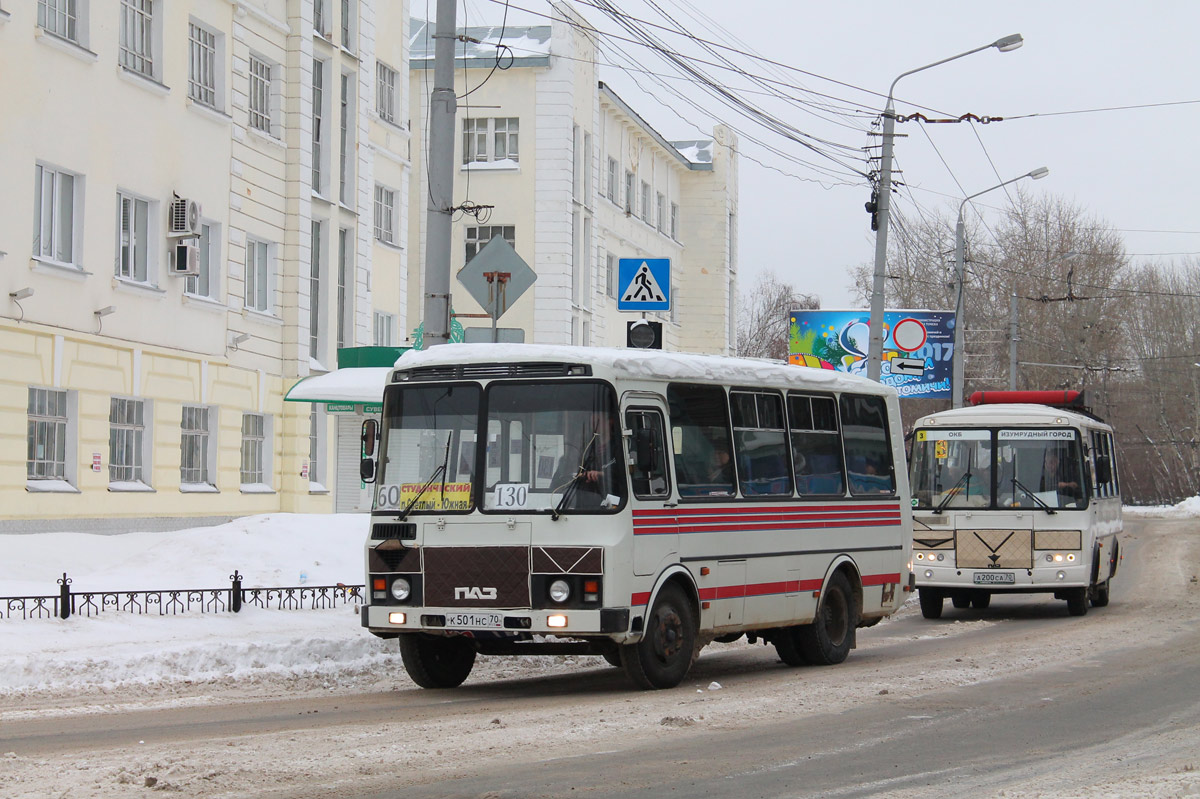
(205, 201)
(575, 180)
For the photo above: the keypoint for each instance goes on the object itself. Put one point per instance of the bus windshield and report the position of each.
(989, 468)
(546, 448)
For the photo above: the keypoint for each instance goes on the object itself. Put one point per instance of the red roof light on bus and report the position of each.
(1056, 399)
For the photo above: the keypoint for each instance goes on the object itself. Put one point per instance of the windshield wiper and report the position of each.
(1041, 503)
(438, 472)
(569, 489)
(964, 481)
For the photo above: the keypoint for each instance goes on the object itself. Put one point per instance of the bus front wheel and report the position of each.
(436, 662)
(829, 639)
(665, 654)
(1077, 601)
(931, 602)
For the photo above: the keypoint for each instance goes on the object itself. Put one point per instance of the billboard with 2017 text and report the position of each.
(839, 340)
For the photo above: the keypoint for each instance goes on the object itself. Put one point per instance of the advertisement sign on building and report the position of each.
(840, 339)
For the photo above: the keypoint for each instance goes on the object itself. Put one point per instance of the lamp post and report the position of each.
(883, 202)
(956, 392)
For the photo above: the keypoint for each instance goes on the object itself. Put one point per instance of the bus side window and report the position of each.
(700, 430)
(649, 470)
(868, 447)
(816, 446)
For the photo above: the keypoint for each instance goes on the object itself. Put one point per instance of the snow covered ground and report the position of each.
(117, 649)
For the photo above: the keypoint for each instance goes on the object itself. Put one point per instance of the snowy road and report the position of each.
(1020, 699)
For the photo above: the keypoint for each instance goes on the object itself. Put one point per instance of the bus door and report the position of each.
(655, 530)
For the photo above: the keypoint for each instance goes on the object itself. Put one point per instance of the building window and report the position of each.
(349, 28)
(316, 448)
(318, 115)
(260, 95)
(321, 17)
(137, 36)
(253, 470)
(133, 235)
(345, 141)
(675, 221)
(612, 188)
(629, 183)
(586, 166)
(385, 214)
(611, 275)
(491, 139)
(202, 65)
(345, 291)
(661, 212)
(258, 274)
(646, 202)
(478, 237)
(126, 440)
(47, 442)
(385, 92)
(60, 17)
(314, 293)
(54, 215)
(194, 446)
(384, 329)
(205, 283)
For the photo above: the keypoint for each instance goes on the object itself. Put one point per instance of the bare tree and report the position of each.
(763, 317)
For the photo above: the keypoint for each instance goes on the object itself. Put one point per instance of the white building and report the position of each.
(132, 392)
(576, 180)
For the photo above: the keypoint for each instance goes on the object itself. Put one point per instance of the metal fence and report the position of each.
(170, 602)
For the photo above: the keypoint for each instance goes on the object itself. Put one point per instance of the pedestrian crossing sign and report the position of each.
(644, 284)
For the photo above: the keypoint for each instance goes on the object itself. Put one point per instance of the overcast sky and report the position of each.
(1132, 168)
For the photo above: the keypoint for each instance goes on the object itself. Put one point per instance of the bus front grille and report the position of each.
(994, 549)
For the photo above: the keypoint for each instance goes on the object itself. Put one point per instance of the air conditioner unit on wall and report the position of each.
(185, 258)
(185, 217)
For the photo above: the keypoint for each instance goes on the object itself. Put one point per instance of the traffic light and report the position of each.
(873, 209)
(642, 334)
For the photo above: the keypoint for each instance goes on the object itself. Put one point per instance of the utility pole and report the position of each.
(442, 108)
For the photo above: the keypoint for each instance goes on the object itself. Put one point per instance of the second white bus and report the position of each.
(632, 504)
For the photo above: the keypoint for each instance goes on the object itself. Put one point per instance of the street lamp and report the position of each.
(883, 202)
(956, 393)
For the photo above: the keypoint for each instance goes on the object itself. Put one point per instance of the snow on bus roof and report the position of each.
(1006, 413)
(635, 363)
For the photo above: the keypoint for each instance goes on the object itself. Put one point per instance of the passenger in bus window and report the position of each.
(1056, 477)
(720, 469)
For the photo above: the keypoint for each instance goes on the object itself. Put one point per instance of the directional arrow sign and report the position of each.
(908, 366)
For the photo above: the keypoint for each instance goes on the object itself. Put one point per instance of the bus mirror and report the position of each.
(644, 446)
(1103, 469)
(370, 432)
(366, 470)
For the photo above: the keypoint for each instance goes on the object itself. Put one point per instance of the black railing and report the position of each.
(175, 601)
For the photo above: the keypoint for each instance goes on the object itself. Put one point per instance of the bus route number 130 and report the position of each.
(511, 495)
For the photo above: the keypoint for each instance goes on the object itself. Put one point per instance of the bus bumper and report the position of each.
(389, 620)
(1041, 578)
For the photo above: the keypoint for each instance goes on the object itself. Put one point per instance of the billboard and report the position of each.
(839, 340)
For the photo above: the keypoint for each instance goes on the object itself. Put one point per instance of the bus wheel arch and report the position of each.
(668, 645)
(831, 635)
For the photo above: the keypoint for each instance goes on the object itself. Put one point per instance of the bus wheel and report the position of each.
(612, 657)
(1077, 601)
(960, 599)
(435, 662)
(668, 647)
(981, 600)
(931, 602)
(1100, 595)
(787, 644)
(829, 639)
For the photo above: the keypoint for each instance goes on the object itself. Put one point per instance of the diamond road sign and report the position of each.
(644, 284)
(498, 293)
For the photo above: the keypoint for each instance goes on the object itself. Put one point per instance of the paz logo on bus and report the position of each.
(473, 592)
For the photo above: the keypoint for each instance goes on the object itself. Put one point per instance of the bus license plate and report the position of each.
(474, 621)
(995, 578)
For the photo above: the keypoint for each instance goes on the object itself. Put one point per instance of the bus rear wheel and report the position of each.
(960, 599)
(665, 654)
(931, 602)
(829, 639)
(436, 662)
(1077, 601)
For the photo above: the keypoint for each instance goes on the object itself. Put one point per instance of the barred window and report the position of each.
(193, 445)
(645, 202)
(59, 17)
(384, 324)
(675, 221)
(202, 65)
(126, 430)
(661, 213)
(260, 94)
(385, 214)
(252, 448)
(613, 188)
(385, 92)
(478, 237)
(47, 442)
(137, 36)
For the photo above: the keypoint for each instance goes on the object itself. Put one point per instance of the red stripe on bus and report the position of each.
(671, 530)
(747, 508)
(776, 517)
(881, 579)
(765, 589)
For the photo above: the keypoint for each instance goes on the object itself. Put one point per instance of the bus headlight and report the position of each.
(401, 589)
(1071, 557)
(560, 591)
(920, 556)
(928, 574)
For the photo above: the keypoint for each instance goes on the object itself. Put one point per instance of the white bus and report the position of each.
(1017, 494)
(629, 503)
